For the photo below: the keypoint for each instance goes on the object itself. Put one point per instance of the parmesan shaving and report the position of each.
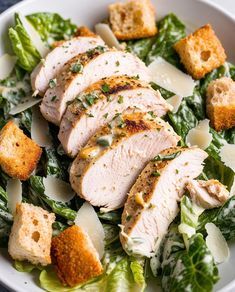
(57, 189)
(200, 135)
(88, 220)
(34, 36)
(26, 103)
(14, 193)
(216, 243)
(40, 129)
(175, 101)
(7, 64)
(227, 155)
(169, 77)
(105, 32)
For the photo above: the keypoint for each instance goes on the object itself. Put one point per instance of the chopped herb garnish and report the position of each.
(136, 77)
(76, 67)
(105, 88)
(121, 124)
(120, 99)
(177, 171)
(128, 217)
(167, 156)
(90, 115)
(98, 49)
(152, 114)
(105, 115)
(105, 141)
(53, 98)
(90, 99)
(52, 83)
(155, 173)
(117, 63)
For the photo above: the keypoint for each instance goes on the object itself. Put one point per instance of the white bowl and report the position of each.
(193, 13)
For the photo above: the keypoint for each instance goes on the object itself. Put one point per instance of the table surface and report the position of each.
(226, 4)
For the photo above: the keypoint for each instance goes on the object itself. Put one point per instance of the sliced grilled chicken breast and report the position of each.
(108, 165)
(152, 202)
(97, 105)
(90, 67)
(49, 67)
(208, 194)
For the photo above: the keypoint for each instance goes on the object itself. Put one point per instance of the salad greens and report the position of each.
(186, 264)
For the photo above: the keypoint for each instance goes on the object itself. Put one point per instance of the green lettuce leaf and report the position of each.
(189, 216)
(28, 56)
(222, 217)
(62, 209)
(126, 276)
(170, 30)
(188, 270)
(52, 27)
(25, 267)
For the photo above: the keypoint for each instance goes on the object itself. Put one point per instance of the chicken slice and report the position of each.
(82, 71)
(208, 194)
(94, 108)
(152, 203)
(49, 67)
(106, 168)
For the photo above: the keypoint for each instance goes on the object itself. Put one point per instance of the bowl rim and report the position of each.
(210, 4)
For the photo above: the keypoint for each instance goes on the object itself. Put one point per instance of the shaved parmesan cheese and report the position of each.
(216, 243)
(7, 63)
(88, 220)
(26, 103)
(200, 135)
(169, 77)
(175, 101)
(105, 32)
(34, 36)
(14, 193)
(57, 189)
(227, 155)
(40, 129)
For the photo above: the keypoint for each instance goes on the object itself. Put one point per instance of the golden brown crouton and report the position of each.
(19, 154)
(84, 31)
(75, 257)
(201, 52)
(133, 19)
(31, 234)
(221, 103)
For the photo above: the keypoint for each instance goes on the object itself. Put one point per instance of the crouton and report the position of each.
(220, 103)
(75, 257)
(201, 52)
(31, 234)
(84, 31)
(19, 154)
(133, 20)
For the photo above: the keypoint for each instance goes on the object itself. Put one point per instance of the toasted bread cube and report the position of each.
(201, 52)
(31, 234)
(133, 19)
(84, 31)
(19, 154)
(74, 256)
(221, 103)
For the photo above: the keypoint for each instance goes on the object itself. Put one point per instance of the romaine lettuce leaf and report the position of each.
(28, 56)
(62, 209)
(188, 270)
(170, 30)
(189, 215)
(52, 27)
(222, 217)
(126, 276)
